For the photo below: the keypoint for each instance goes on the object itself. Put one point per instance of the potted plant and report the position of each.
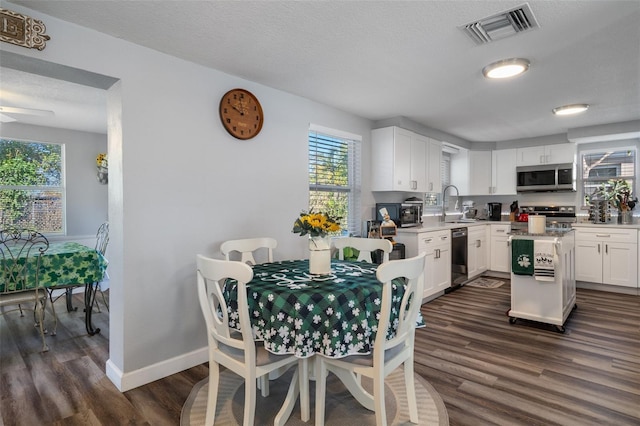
(618, 193)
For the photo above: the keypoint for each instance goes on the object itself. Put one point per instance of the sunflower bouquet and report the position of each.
(316, 224)
(101, 160)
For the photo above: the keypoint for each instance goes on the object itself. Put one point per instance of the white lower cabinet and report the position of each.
(437, 270)
(437, 246)
(500, 253)
(607, 256)
(477, 251)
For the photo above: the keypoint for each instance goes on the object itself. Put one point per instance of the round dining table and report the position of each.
(295, 312)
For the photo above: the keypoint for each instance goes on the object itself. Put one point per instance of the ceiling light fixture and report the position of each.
(570, 109)
(506, 68)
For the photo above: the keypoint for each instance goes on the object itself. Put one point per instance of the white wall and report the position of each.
(86, 201)
(180, 185)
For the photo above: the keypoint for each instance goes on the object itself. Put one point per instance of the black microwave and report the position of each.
(546, 177)
(404, 215)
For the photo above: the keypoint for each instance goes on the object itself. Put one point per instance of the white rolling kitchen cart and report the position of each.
(547, 301)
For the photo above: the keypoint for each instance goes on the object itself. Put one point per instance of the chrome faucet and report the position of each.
(444, 205)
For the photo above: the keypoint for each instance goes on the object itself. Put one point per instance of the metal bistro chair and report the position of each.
(21, 253)
(247, 248)
(237, 350)
(102, 240)
(365, 245)
(387, 354)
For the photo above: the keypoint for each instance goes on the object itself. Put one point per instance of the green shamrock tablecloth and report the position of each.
(294, 312)
(66, 263)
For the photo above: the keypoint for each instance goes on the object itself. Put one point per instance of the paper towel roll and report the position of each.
(537, 224)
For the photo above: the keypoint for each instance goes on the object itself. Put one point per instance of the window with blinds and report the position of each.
(598, 167)
(334, 176)
(32, 188)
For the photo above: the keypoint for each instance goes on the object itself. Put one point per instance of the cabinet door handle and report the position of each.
(541, 159)
(428, 240)
(437, 253)
(478, 243)
(430, 186)
(606, 248)
(598, 248)
(444, 238)
(499, 230)
(603, 235)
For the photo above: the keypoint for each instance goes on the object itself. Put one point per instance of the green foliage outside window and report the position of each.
(331, 187)
(31, 185)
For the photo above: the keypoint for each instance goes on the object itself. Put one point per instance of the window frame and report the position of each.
(354, 167)
(62, 188)
(603, 150)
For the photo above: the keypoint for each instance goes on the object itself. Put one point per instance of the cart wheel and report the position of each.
(560, 329)
(512, 320)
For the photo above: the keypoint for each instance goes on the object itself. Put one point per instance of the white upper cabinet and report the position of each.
(484, 172)
(547, 154)
(503, 167)
(434, 181)
(479, 172)
(401, 161)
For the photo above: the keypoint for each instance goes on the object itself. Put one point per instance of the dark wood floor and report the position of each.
(486, 370)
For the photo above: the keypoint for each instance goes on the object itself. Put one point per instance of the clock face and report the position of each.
(241, 114)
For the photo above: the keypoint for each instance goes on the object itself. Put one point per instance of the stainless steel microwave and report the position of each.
(546, 178)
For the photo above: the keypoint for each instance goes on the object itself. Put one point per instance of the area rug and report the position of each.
(341, 407)
(485, 283)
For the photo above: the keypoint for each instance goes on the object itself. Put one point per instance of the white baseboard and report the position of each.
(151, 373)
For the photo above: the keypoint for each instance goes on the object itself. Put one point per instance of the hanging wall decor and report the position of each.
(103, 168)
(22, 30)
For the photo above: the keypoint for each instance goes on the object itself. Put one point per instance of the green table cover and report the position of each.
(294, 312)
(66, 263)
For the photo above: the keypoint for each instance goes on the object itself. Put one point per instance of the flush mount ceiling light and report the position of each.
(570, 109)
(506, 68)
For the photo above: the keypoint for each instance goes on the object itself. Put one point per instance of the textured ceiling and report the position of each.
(387, 59)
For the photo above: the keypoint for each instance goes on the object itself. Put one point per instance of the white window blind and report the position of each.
(334, 176)
(598, 167)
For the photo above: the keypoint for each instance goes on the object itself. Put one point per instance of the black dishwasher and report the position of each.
(459, 254)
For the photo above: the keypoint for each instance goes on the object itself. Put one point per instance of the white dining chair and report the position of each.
(387, 354)
(247, 248)
(237, 350)
(365, 245)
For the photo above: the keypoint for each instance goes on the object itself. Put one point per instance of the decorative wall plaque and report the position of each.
(22, 30)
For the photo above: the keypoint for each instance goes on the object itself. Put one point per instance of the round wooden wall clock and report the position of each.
(241, 113)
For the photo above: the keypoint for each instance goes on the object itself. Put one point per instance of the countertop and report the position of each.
(439, 226)
(612, 225)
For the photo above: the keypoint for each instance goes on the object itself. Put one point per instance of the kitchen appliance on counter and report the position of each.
(546, 177)
(469, 210)
(404, 215)
(494, 211)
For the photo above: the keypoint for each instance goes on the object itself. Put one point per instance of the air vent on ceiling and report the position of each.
(504, 24)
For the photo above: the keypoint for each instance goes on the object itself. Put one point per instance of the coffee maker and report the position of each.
(495, 211)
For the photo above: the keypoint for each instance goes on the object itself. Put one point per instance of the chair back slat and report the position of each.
(20, 255)
(247, 247)
(102, 238)
(211, 277)
(365, 246)
(412, 271)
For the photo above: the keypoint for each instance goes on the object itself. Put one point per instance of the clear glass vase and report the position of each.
(625, 217)
(319, 255)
